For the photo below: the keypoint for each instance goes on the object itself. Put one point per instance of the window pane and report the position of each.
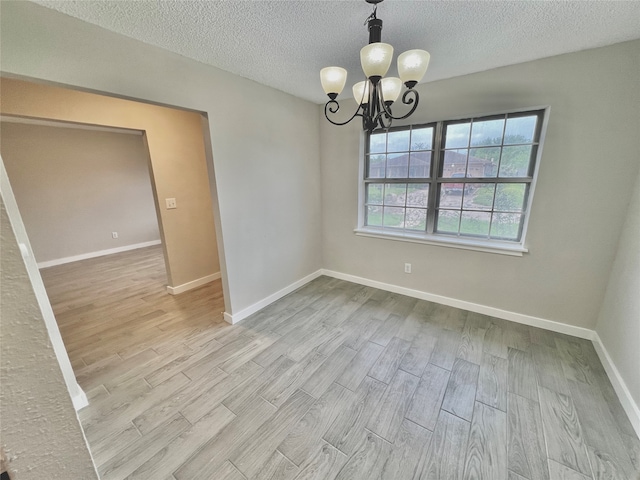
(455, 163)
(417, 194)
(488, 132)
(416, 219)
(398, 141)
(479, 197)
(449, 198)
(475, 223)
(374, 193)
(520, 130)
(448, 221)
(397, 165)
(393, 217)
(377, 143)
(375, 166)
(374, 216)
(420, 165)
(510, 197)
(515, 161)
(483, 162)
(506, 226)
(421, 138)
(395, 193)
(457, 135)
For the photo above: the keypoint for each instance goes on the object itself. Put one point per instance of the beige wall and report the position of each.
(619, 321)
(588, 167)
(178, 165)
(265, 142)
(40, 433)
(76, 186)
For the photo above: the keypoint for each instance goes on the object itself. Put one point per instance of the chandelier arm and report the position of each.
(407, 101)
(333, 106)
(372, 106)
(379, 122)
(383, 110)
(371, 113)
(379, 119)
(368, 123)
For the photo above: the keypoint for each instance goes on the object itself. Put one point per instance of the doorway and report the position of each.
(175, 145)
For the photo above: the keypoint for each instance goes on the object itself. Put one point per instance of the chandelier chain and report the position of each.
(373, 15)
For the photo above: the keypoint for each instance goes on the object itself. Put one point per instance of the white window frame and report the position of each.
(515, 248)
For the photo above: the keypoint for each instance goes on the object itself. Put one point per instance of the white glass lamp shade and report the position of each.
(361, 92)
(391, 87)
(333, 80)
(412, 65)
(376, 59)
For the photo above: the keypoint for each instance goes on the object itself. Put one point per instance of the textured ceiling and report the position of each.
(284, 44)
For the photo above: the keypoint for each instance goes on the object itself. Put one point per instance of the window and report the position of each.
(462, 181)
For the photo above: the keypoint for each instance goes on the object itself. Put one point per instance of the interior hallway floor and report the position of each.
(333, 381)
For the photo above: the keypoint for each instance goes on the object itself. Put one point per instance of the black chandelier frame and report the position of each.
(375, 112)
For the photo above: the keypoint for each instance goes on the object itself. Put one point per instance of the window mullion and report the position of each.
(433, 183)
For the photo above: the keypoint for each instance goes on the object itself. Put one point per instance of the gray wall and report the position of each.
(76, 186)
(265, 143)
(619, 321)
(586, 176)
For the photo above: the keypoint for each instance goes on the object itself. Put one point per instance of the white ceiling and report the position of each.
(284, 44)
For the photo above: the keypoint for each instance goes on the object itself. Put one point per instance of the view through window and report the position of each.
(467, 178)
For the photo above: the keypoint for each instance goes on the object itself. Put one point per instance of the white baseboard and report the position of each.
(198, 282)
(99, 253)
(80, 400)
(619, 385)
(242, 314)
(470, 306)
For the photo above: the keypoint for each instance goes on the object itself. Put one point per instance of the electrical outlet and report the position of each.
(114, 234)
(171, 203)
(407, 268)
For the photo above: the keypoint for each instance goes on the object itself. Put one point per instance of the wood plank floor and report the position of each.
(334, 381)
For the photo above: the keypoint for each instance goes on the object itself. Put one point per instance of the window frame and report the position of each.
(435, 180)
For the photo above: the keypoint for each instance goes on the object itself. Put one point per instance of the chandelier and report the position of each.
(376, 95)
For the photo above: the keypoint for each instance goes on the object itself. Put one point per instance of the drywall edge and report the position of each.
(76, 393)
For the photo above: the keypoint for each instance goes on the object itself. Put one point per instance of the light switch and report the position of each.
(171, 203)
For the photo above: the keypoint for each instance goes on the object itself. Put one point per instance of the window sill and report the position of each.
(516, 250)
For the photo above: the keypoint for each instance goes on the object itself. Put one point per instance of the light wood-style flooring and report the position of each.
(334, 381)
